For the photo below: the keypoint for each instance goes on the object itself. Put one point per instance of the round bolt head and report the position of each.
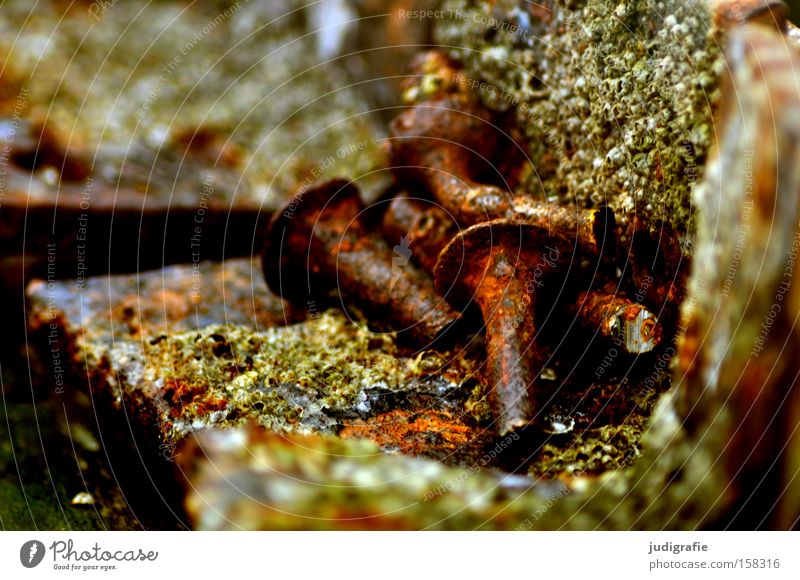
(462, 263)
(288, 265)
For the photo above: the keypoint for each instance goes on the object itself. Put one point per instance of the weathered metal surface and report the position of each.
(425, 228)
(150, 305)
(737, 375)
(95, 333)
(442, 144)
(422, 226)
(693, 468)
(731, 13)
(193, 346)
(623, 322)
(722, 448)
(121, 80)
(169, 372)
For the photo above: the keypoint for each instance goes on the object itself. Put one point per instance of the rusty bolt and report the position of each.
(429, 228)
(629, 324)
(594, 230)
(439, 144)
(500, 265)
(318, 242)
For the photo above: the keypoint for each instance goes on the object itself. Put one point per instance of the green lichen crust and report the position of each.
(303, 378)
(223, 356)
(330, 375)
(615, 98)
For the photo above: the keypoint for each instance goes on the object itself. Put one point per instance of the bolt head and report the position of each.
(462, 264)
(289, 259)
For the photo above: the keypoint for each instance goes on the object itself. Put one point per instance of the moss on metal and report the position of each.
(328, 374)
(295, 378)
(614, 97)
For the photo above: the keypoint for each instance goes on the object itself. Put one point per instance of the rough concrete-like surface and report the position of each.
(247, 85)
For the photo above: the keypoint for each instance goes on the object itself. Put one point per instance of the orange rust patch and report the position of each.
(183, 397)
(414, 433)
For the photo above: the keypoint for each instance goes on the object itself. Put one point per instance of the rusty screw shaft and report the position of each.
(510, 330)
(427, 228)
(318, 243)
(627, 323)
(500, 265)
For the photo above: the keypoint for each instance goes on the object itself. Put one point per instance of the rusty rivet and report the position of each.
(319, 242)
(441, 144)
(425, 225)
(500, 265)
(594, 230)
(629, 324)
